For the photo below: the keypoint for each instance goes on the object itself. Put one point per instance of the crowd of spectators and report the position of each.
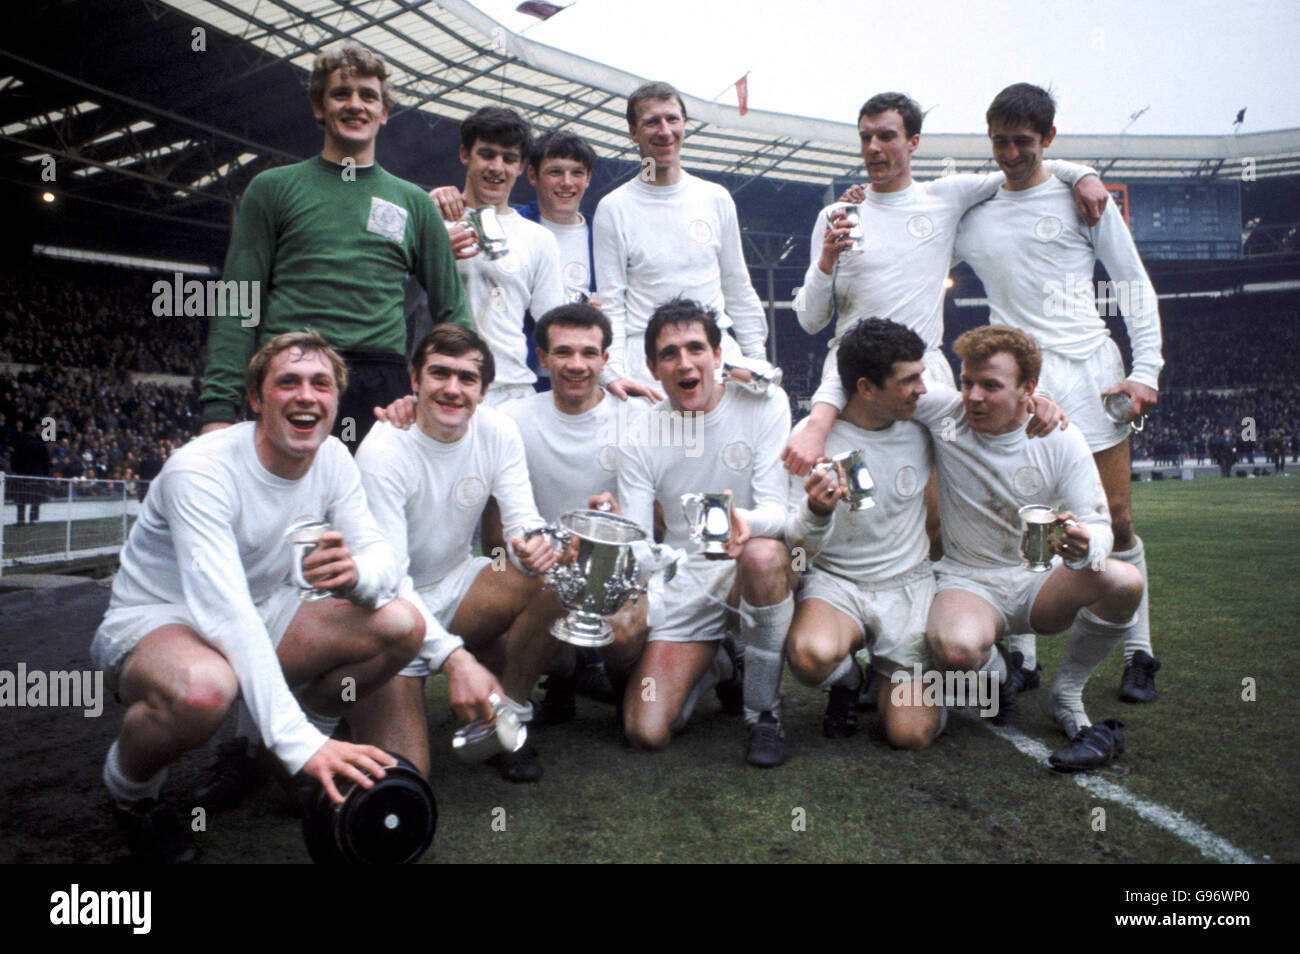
(1228, 376)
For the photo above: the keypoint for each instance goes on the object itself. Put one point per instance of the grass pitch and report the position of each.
(1223, 567)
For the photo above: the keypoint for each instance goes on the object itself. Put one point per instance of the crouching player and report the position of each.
(738, 440)
(870, 581)
(203, 608)
(988, 470)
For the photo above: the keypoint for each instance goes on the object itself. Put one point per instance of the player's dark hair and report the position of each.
(871, 349)
(561, 144)
(681, 311)
(454, 341)
(656, 90)
(907, 107)
(1023, 104)
(576, 315)
(500, 127)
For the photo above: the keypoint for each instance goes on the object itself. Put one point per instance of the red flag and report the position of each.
(536, 8)
(742, 93)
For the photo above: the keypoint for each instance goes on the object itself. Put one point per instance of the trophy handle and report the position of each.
(693, 510)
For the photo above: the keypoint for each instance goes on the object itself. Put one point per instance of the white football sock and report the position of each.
(848, 675)
(1089, 640)
(1139, 634)
(524, 712)
(1027, 645)
(720, 670)
(125, 791)
(764, 654)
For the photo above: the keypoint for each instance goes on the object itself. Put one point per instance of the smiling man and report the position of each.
(495, 144)
(1036, 260)
(204, 609)
(427, 487)
(988, 470)
(666, 233)
(740, 435)
(908, 228)
(328, 243)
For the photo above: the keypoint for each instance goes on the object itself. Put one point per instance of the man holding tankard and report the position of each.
(203, 608)
(736, 453)
(988, 471)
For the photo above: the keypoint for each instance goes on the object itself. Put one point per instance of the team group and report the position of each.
(646, 318)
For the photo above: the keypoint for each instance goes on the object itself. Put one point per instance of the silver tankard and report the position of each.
(487, 228)
(862, 488)
(709, 518)
(302, 536)
(1037, 524)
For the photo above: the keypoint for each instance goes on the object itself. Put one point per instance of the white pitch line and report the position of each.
(1202, 839)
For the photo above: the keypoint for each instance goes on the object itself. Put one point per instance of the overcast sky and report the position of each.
(1194, 62)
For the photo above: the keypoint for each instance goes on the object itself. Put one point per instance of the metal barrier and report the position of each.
(56, 520)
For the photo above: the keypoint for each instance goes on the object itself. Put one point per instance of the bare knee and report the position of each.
(647, 735)
(912, 736)
(763, 566)
(810, 659)
(206, 693)
(399, 629)
(958, 652)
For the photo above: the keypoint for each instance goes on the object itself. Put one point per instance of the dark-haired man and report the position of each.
(427, 487)
(870, 583)
(908, 228)
(709, 437)
(666, 233)
(494, 145)
(988, 470)
(326, 244)
(1036, 260)
(204, 609)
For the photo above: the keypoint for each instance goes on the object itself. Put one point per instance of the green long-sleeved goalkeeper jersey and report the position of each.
(330, 254)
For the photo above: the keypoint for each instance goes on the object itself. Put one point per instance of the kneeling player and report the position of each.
(736, 437)
(870, 582)
(987, 471)
(203, 608)
(427, 487)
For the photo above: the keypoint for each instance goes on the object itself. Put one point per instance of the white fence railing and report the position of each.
(55, 520)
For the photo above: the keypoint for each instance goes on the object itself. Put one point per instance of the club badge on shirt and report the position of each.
(920, 226)
(469, 491)
(1028, 481)
(906, 481)
(387, 219)
(700, 231)
(1048, 228)
(737, 456)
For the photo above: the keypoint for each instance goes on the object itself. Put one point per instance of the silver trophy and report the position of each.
(1119, 408)
(302, 536)
(862, 488)
(853, 219)
(709, 518)
(1037, 523)
(484, 738)
(599, 580)
(755, 376)
(488, 231)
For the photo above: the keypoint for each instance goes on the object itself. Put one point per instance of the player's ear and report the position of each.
(532, 176)
(541, 357)
(1051, 134)
(464, 156)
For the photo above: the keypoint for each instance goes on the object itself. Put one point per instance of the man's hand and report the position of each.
(1090, 198)
(450, 202)
(401, 413)
(595, 500)
(1074, 539)
(739, 531)
(468, 686)
(213, 426)
(854, 194)
(352, 761)
(835, 242)
(1046, 417)
(825, 487)
(464, 241)
(625, 388)
(330, 566)
(806, 447)
(596, 303)
(1144, 399)
(535, 552)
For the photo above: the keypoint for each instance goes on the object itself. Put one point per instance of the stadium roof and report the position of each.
(450, 59)
(147, 122)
